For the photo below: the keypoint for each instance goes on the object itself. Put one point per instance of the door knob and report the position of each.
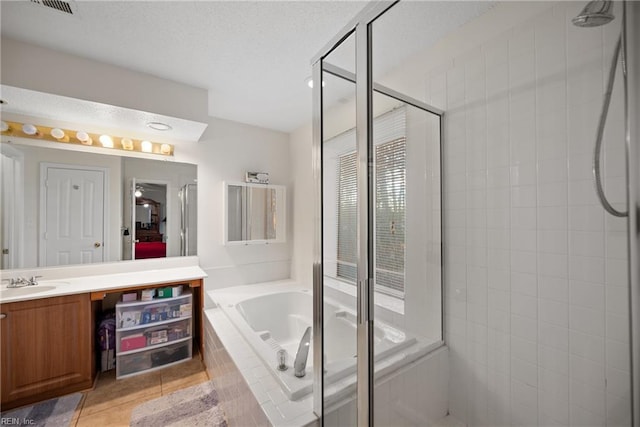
(97, 244)
(2, 315)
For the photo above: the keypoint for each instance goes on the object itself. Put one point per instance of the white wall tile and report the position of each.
(552, 170)
(554, 360)
(524, 305)
(523, 262)
(552, 241)
(616, 299)
(552, 265)
(524, 283)
(588, 397)
(580, 416)
(586, 320)
(616, 273)
(524, 327)
(617, 382)
(616, 245)
(537, 327)
(587, 269)
(588, 346)
(586, 371)
(552, 218)
(553, 288)
(586, 243)
(617, 354)
(523, 218)
(554, 312)
(552, 194)
(587, 294)
(586, 218)
(554, 336)
(523, 240)
(618, 410)
(617, 327)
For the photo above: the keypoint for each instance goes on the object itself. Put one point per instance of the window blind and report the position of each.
(390, 192)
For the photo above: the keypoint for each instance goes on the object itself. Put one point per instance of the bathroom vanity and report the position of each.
(48, 331)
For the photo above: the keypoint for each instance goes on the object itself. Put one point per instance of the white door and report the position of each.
(11, 213)
(73, 216)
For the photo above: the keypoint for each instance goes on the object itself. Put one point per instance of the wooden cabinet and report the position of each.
(46, 348)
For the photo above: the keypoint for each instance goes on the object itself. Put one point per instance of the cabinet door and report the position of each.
(46, 348)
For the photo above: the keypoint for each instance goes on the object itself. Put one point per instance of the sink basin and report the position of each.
(27, 290)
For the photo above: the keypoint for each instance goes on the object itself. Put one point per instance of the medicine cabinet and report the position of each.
(254, 213)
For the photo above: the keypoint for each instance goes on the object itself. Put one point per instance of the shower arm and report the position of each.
(603, 117)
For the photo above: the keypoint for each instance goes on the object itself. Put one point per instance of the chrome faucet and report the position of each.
(301, 356)
(20, 282)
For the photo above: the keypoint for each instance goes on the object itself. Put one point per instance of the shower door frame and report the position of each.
(365, 87)
(631, 38)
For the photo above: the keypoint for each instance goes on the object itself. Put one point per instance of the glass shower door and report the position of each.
(339, 235)
(377, 275)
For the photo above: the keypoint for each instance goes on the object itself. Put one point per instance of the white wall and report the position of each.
(302, 200)
(225, 152)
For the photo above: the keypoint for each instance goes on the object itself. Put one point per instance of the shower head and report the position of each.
(594, 14)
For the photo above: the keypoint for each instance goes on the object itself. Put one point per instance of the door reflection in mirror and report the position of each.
(22, 197)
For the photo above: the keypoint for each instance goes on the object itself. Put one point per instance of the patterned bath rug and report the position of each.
(194, 407)
(57, 412)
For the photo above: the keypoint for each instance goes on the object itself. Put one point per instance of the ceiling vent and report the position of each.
(67, 7)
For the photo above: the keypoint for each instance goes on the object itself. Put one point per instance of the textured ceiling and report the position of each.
(252, 56)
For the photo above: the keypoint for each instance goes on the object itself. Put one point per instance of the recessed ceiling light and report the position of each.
(159, 126)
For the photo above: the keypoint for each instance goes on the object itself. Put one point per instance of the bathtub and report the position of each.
(271, 318)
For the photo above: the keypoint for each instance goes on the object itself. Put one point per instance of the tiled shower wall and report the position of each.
(535, 271)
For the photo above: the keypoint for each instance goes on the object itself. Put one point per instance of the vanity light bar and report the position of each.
(78, 137)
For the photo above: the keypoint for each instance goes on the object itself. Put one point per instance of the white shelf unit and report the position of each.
(151, 335)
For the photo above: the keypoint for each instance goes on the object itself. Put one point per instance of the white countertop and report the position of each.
(84, 284)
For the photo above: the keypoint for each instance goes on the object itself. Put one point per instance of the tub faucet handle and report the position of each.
(282, 360)
(300, 363)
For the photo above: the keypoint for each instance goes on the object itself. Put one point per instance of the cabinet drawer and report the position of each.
(142, 314)
(152, 359)
(137, 340)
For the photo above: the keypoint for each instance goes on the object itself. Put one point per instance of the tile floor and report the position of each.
(111, 402)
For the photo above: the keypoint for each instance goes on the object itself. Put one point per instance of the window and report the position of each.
(390, 178)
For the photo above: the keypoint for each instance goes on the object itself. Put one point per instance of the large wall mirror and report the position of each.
(62, 207)
(254, 213)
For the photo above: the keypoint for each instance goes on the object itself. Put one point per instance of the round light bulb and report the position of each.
(106, 141)
(165, 149)
(138, 193)
(127, 144)
(146, 205)
(4, 127)
(84, 138)
(146, 146)
(57, 133)
(29, 129)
